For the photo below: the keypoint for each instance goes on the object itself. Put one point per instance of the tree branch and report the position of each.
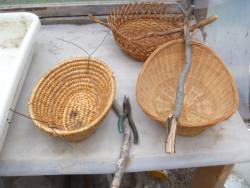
(173, 119)
(200, 24)
(125, 149)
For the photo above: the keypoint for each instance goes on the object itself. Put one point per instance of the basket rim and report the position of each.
(95, 121)
(115, 29)
(141, 53)
(185, 123)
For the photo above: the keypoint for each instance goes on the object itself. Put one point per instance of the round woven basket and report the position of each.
(131, 21)
(211, 95)
(73, 98)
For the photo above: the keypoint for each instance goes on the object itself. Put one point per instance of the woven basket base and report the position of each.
(198, 106)
(145, 26)
(141, 49)
(190, 131)
(78, 138)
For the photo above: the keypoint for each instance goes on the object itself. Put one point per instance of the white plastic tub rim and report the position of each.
(17, 71)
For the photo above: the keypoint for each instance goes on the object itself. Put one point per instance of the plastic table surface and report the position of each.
(29, 151)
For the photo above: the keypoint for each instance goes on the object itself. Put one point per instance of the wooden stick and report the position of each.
(188, 60)
(170, 141)
(171, 135)
(202, 23)
(95, 19)
(125, 149)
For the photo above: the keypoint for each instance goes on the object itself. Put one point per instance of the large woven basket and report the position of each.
(131, 21)
(211, 95)
(73, 98)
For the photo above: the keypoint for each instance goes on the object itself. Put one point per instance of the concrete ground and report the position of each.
(175, 179)
(242, 170)
(180, 178)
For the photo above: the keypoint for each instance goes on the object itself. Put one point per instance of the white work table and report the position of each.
(29, 151)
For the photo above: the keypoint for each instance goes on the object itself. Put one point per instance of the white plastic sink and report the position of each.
(17, 36)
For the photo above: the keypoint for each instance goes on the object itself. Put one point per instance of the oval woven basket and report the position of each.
(131, 21)
(73, 98)
(211, 95)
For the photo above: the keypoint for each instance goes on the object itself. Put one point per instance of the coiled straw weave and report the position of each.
(72, 99)
(211, 95)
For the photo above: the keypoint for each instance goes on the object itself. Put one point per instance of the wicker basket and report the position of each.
(73, 98)
(210, 91)
(134, 20)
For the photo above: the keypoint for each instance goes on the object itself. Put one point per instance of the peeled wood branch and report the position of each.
(125, 149)
(170, 140)
(181, 83)
(172, 121)
(201, 24)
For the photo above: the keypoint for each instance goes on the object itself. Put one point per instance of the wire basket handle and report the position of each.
(95, 19)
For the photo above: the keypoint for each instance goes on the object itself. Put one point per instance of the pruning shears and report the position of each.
(126, 114)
